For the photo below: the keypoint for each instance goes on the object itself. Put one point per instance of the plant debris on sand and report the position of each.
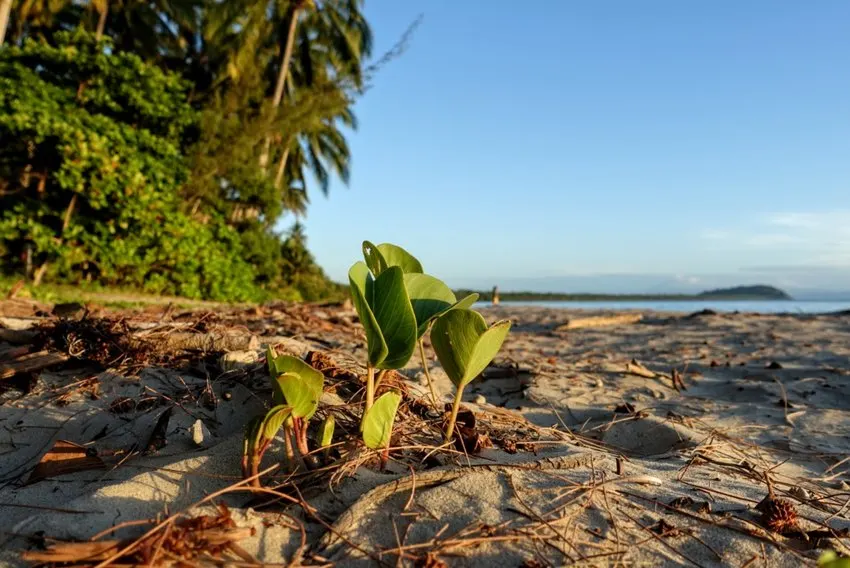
(573, 459)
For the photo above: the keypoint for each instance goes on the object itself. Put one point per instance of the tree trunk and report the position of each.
(66, 219)
(5, 10)
(281, 82)
(39, 274)
(281, 167)
(101, 21)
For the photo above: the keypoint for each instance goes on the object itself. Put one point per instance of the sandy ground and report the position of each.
(598, 459)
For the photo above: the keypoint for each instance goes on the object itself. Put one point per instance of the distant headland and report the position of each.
(756, 292)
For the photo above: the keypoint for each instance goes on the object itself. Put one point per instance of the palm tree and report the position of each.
(294, 12)
(334, 40)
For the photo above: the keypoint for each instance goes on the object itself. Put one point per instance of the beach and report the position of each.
(601, 439)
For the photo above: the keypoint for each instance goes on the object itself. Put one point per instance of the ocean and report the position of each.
(758, 306)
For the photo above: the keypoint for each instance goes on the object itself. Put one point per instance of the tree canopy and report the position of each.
(158, 144)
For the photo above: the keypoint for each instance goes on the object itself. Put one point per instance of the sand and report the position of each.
(615, 465)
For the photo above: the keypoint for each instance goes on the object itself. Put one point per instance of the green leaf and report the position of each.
(429, 297)
(464, 345)
(273, 421)
(395, 318)
(378, 421)
(375, 260)
(396, 256)
(297, 384)
(361, 281)
(327, 431)
(466, 303)
(300, 394)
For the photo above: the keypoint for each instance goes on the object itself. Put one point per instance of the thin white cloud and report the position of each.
(815, 238)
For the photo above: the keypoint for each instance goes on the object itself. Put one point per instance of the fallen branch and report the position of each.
(600, 321)
(30, 363)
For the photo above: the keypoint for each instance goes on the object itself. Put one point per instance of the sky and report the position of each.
(603, 145)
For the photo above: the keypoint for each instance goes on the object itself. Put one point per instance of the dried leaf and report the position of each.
(63, 458)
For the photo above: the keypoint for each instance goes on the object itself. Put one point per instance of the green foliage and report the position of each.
(327, 431)
(465, 345)
(379, 258)
(96, 139)
(386, 314)
(379, 419)
(296, 384)
(135, 161)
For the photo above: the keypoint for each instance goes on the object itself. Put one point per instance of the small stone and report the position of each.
(479, 399)
(200, 433)
(227, 395)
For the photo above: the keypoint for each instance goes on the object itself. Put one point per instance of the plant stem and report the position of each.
(255, 470)
(453, 417)
(427, 373)
(301, 443)
(370, 388)
(290, 453)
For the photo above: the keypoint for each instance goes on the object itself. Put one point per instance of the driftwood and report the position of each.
(17, 336)
(30, 363)
(229, 341)
(600, 321)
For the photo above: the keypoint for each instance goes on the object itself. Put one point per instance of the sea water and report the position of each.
(757, 306)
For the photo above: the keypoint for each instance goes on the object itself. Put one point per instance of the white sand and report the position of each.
(712, 443)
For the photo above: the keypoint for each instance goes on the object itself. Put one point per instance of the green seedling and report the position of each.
(465, 346)
(299, 386)
(326, 435)
(381, 287)
(296, 390)
(387, 316)
(378, 421)
(259, 435)
(430, 299)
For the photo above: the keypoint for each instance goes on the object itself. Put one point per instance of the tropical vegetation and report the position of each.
(161, 146)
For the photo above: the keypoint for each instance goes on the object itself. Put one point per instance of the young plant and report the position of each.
(388, 328)
(382, 302)
(296, 390)
(378, 421)
(299, 386)
(326, 436)
(465, 346)
(259, 435)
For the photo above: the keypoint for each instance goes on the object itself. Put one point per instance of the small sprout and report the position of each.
(258, 437)
(465, 346)
(378, 421)
(297, 384)
(326, 435)
(396, 303)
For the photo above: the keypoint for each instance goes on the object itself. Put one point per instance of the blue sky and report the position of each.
(600, 144)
